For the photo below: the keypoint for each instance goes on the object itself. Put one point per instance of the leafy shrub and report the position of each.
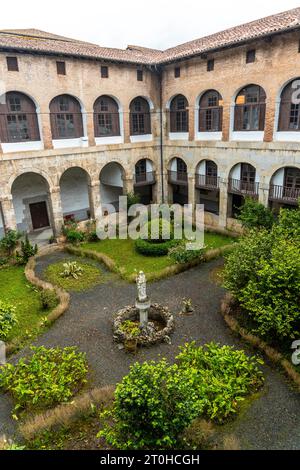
(92, 237)
(180, 255)
(48, 299)
(146, 248)
(74, 236)
(157, 401)
(9, 242)
(27, 251)
(132, 199)
(72, 269)
(7, 319)
(4, 260)
(130, 328)
(263, 273)
(48, 377)
(272, 295)
(255, 215)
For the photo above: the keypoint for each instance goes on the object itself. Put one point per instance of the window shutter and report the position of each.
(202, 120)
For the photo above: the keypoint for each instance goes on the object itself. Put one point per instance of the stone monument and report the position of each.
(142, 302)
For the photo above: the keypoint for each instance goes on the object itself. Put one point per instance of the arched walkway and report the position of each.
(111, 185)
(74, 192)
(178, 182)
(144, 180)
(31, 201)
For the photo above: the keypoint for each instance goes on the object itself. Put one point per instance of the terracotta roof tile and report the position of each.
(33, 40)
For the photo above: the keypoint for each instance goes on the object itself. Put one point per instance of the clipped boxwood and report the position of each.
(148, 248)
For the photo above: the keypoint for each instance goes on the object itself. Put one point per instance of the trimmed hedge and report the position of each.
(148, 248)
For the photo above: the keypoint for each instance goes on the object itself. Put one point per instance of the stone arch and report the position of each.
(112, 184)
(32, 202)
(75, 183)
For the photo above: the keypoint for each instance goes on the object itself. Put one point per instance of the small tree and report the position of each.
(27, 251)
(9, 242)
(256, 215)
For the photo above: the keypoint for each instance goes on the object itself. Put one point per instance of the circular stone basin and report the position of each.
(161, 325)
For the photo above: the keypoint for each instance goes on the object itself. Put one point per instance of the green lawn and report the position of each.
(91, 276)
(15, 289)
(128, 260)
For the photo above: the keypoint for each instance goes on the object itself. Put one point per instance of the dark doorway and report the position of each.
(39, 215)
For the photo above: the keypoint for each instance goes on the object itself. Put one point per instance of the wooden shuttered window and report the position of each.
(66, 118)
(250, 109)
(140, 118)
(179, 114)
(210, 112)
(106, 117)
(18, 119)
(289, 115)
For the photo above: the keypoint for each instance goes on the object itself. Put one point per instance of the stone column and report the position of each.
(56, 212)
(95, 200)
(45, 123)
(192, 190)
(90, 129)
(191, 124)
(226, 123)
(126, 118)
(269, 121)
(8, 212)
(128, 186)
(264, 194)
(223, 209)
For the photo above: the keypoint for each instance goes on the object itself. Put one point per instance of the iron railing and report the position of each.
(207, 182)
(178, 177)
(144, 179)
(244, 188)
(284, 194)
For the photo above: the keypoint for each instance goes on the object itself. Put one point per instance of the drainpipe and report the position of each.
(159, 72)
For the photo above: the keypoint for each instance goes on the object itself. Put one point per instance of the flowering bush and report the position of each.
(7, 319)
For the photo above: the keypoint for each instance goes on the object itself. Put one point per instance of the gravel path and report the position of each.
(271, 422)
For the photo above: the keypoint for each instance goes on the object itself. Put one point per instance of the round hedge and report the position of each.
(148, 248)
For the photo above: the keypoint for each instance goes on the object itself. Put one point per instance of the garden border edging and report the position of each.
(272, 354)
(62, 295)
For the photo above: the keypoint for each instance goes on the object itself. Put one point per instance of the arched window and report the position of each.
(140, 121)
(66, 118)
(250, 109)
(18, 119)
(210, 112)
(106, 117)
(289, 116)
(179, 114)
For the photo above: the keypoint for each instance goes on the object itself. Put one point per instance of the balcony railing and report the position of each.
(178, 177)
(284, 194)
(207, 182)
(244, 188)
(145, 179)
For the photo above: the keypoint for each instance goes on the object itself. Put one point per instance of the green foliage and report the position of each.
(272, 295)
(48, 377)
(255, 215)
(72, 269)
(27, 251)
(9, 242)
(146, 248)
(48, 299)
(131, 329)
(132, 199)
(180, 255)
(263, 273)
(157, 401)
(74, 236)
(7, 319)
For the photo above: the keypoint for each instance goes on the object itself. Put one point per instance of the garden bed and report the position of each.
(121, 256)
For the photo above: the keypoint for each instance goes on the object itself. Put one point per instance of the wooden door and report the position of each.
(39, 215)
